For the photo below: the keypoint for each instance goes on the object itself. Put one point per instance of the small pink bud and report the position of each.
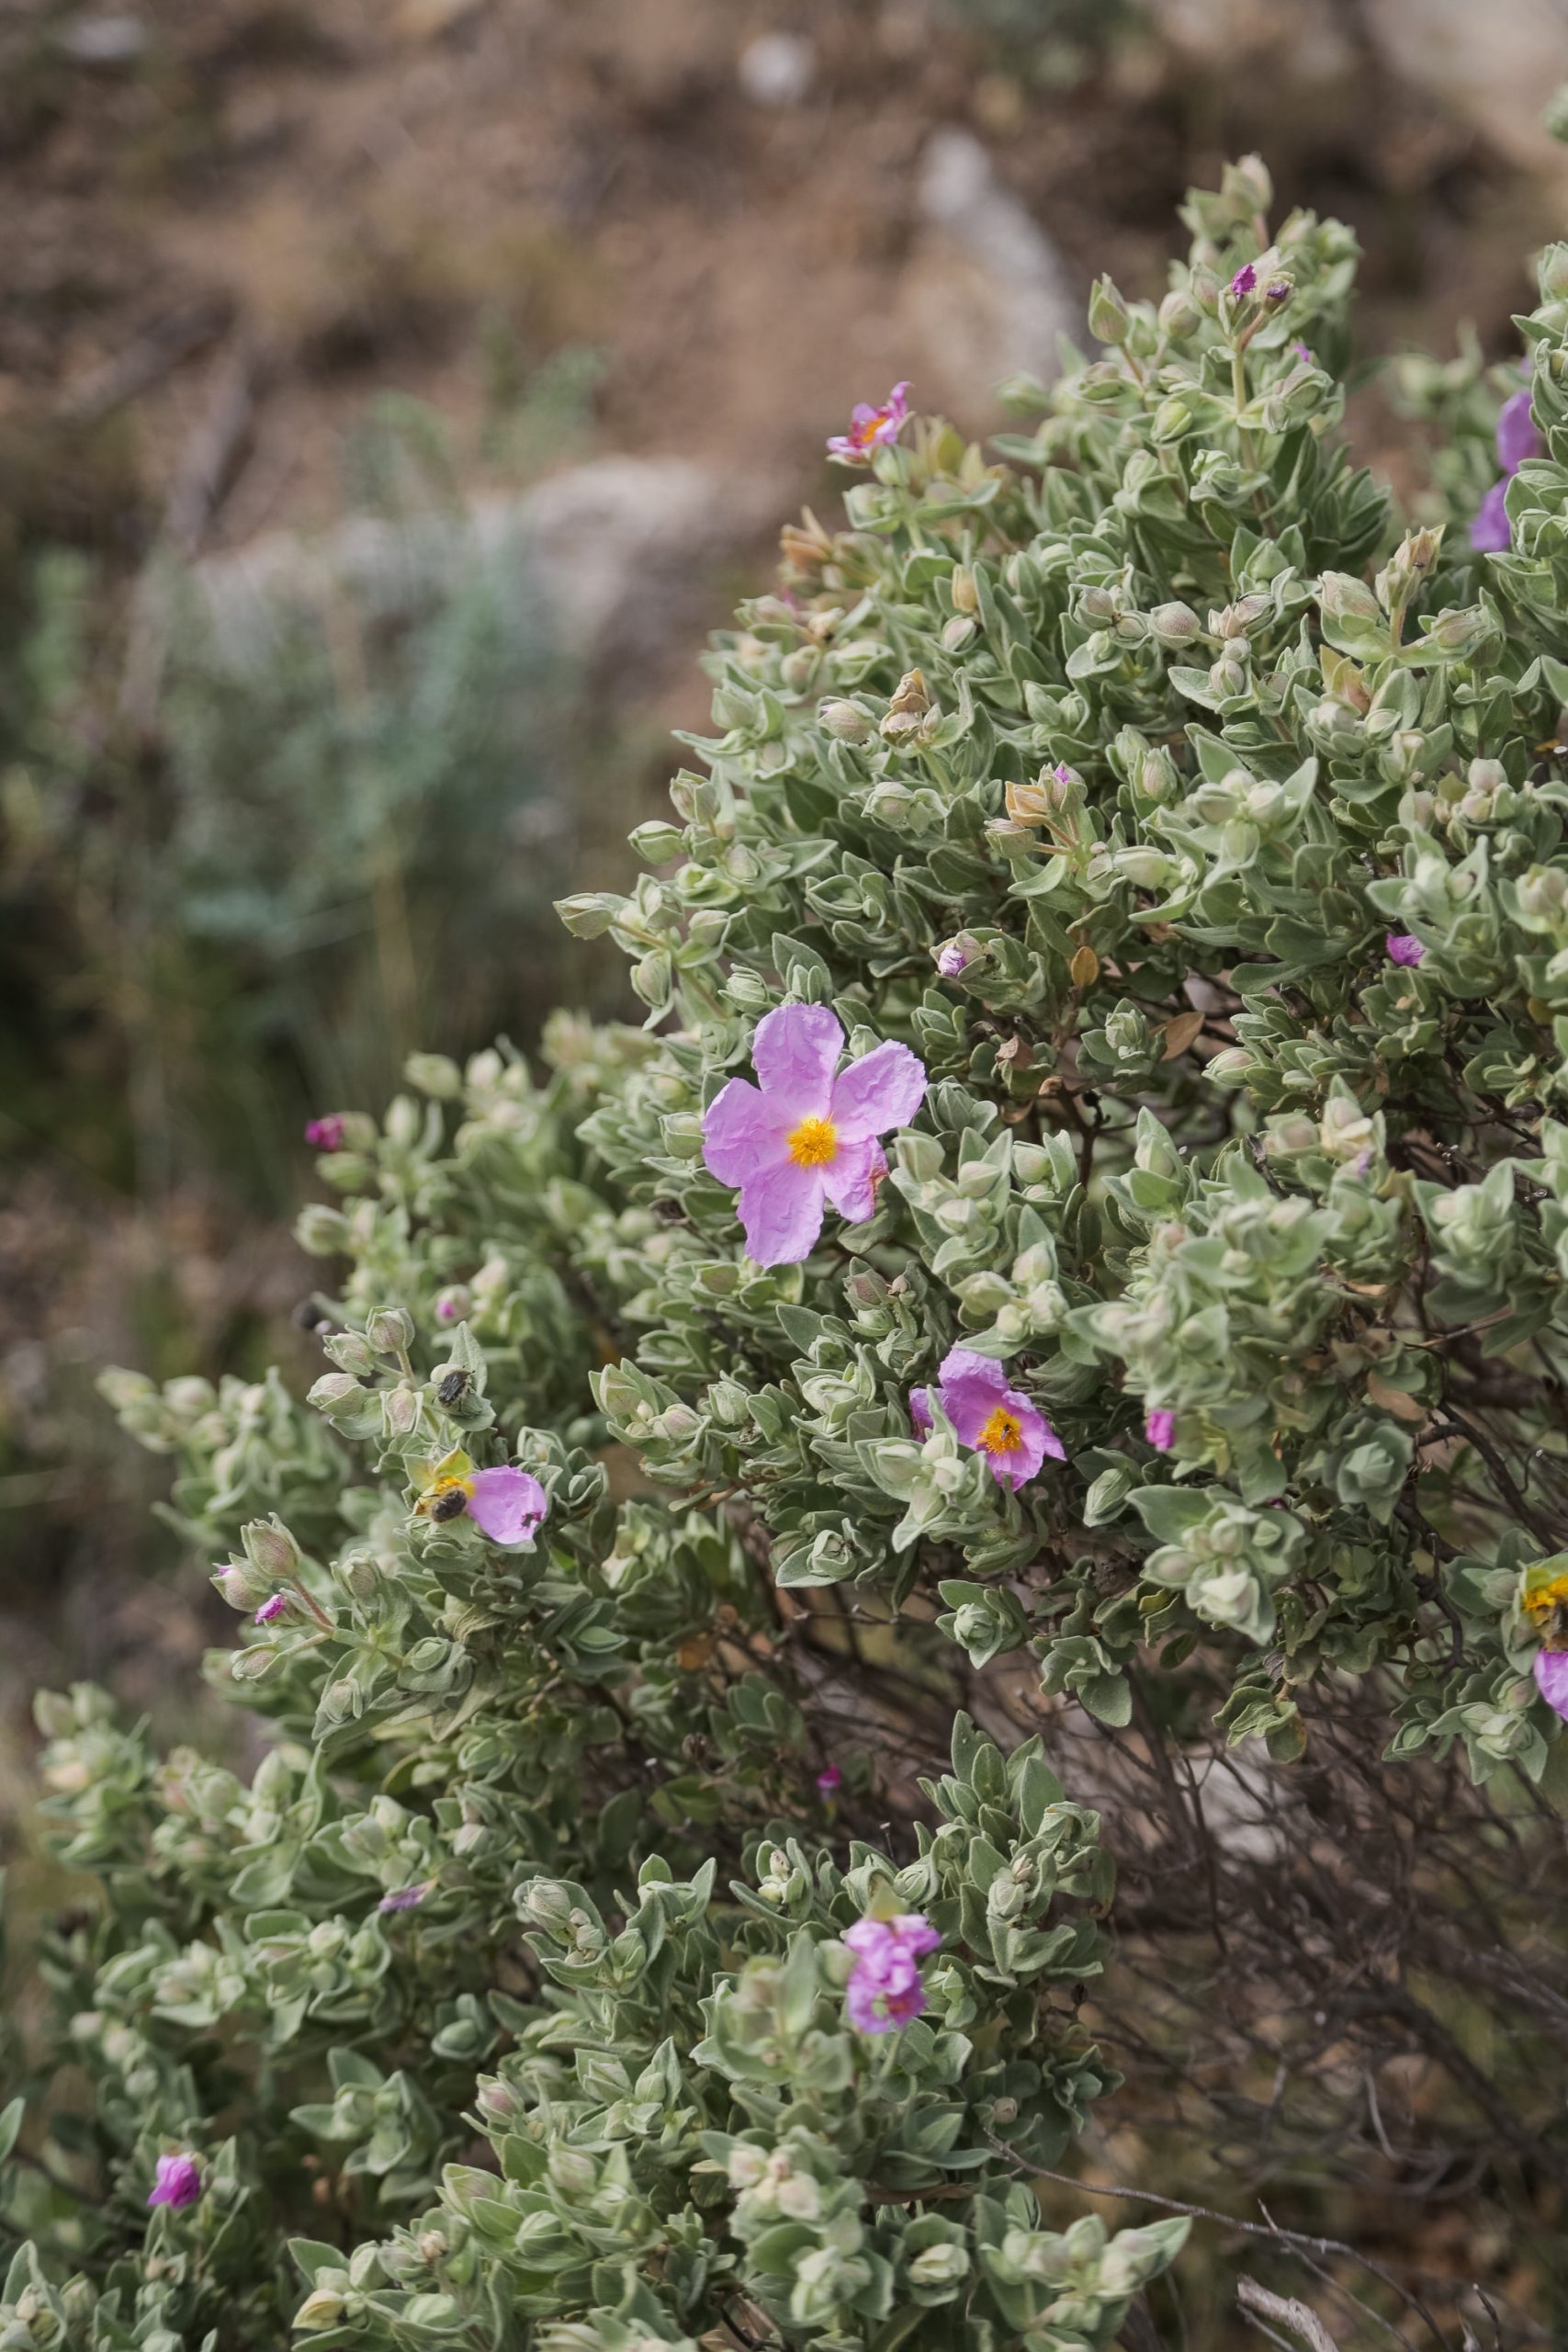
(326, 1135)
(176, 2183)
(829, 1781)
(272, 1610)
(1243, 281)
(1404, 948)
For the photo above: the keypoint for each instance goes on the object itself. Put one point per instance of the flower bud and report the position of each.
(337, 1394)
(270, 1548)
(1175, 625)
(436, 1075)
(1108, 319)
(390, 1331)
(321, 1232)
(351, 1352)
(846, 721)
(241, 1586)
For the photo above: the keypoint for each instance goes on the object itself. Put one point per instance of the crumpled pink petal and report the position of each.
(849, 1180)
(780, 1213)
(884, 1089)
(508, 1505)
(921, 1411)
(1551, 1670)
(795, 1050)
(741, 1126)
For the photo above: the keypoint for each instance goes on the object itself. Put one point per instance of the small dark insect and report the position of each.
(450, 1505)
(309, 1316)
(670, 1212)
(453, 1389)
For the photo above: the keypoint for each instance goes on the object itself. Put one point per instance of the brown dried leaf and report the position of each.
(1179, 1034)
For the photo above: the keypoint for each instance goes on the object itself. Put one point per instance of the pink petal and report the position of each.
(507, 1505)
(962, 1365)
(869, 1938)
(850, 1179)
(914, 1932)
(742, 1133)
(796, 1049)
(1491, 533)
(884, 1089)
(1551, 1680)
(921, 1411)
(780, 1213)
(1517, 436)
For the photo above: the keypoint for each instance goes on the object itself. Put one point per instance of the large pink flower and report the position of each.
(870, 428)
(805, 1137)
(999, 1422)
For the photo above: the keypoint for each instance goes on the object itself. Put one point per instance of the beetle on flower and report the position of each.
(803, 1137)
(507, 1504)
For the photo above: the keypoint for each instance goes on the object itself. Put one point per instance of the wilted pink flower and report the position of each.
(870, 428)
(950, 959)
(272, 1608)
(405, 1898)
(1404, 948)
(805, 1137)
(829, 1781)
(1244, 280)
(884, 1988)
(984, 1412)
(1550, 1671)
(326, 1135)
(176, 2183)
(1160, 1427)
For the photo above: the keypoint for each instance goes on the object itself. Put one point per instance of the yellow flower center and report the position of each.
(1549, 1606)
(1002, 1433)
(814, 1143)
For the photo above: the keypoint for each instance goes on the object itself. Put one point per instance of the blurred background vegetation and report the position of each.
(392, 391)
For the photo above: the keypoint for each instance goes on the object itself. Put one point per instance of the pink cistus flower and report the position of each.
(1491, 533)
(507, 1504)
(176, 2183)
(1404, 948)
(870, 428)
(984, 1412)
(270, 1610)
(805, 1137)
(326, 1135)
(1160, 1427)
(1550, 1671)
(1244, 280)
(885, 1989)
(405, 1898)
(829, 1781)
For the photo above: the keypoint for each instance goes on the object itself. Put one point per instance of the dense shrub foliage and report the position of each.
(1200, 831)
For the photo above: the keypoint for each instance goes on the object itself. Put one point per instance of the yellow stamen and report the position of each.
(1002, 1433)
(1546, 1600)
(814, 1143)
